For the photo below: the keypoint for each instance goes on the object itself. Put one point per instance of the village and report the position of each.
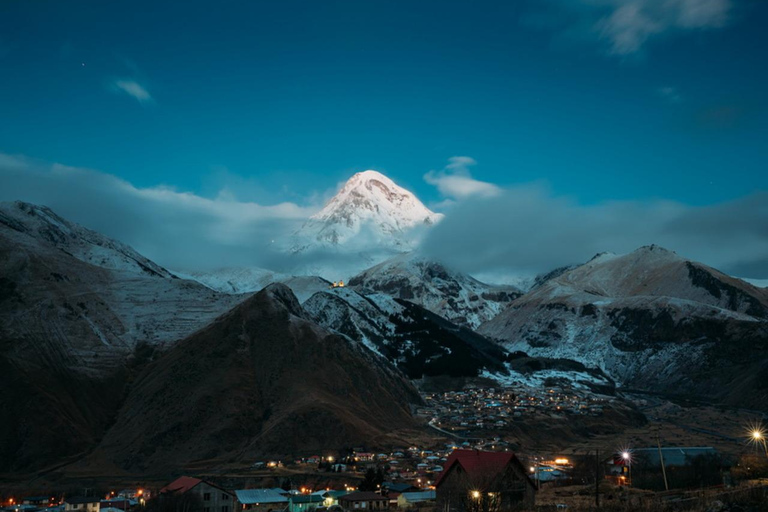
(473, 411)
(470, 476)
(471, 464)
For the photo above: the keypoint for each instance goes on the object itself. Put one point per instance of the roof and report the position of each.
(419, 496)
(400, 487)
(82, 499)
(363, 496)
(181, 485)
(475, 462)
(250, 496)
(673, 456)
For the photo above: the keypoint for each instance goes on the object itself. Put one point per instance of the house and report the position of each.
(477, 480)
(305, 502)
(81, 504)
(412, 499)
(364, 500)
(330, 498)
(38, 501)
(212, 497)
(262, 500)
(116, 504)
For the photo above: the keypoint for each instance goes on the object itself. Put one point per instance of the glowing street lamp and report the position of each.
(476, 495)
(757, 436)
(626, 456)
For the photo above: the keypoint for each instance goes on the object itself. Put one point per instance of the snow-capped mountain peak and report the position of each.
(369, 206)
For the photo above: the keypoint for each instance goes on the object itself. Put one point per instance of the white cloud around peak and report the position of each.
(454, 181)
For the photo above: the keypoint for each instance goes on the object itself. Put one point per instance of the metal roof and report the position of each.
(251, 496)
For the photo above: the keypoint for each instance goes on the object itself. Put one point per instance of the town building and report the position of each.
(364, 500)
(477, 480)
(261, 500)
(212, 497)
(81, 504)
(415, 499)
(305, 502)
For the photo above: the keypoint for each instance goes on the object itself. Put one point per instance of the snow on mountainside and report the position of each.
(77, 311)
(458, 297)
(369, 211)
(86, 245)
(650, 319)
(412, 338)
(234, 279)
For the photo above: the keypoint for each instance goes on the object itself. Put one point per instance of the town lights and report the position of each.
(476, 495)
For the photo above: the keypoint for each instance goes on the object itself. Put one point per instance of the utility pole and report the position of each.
(597, 478)
(661, 458)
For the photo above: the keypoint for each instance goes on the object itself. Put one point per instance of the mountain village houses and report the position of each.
(467, 478)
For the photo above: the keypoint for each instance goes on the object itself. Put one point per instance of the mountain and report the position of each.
(369, 211)
(262, 380)
(652, 320)
(415, 340)
(453, 295)
(234, 279)
(75, 308)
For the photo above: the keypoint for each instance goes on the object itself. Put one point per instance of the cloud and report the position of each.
(527, 230)
(177, 229)
(456, 182)
(133, 89)
(625, 26)
(671, 94)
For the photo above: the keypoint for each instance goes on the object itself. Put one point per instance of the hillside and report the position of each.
(417, 341)
(261, 380)
(651, 320)
(74, 307)
(453, 295)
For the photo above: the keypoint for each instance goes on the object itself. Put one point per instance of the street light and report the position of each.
(758, 437)
(627, 457)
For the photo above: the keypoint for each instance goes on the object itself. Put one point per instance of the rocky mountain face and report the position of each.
(651, 320)
(445, 292)
(88, 330)
(417, 341)
(369, 211)
(74, 307)
(262, 380)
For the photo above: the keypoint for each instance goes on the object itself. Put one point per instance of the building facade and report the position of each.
(475, 481)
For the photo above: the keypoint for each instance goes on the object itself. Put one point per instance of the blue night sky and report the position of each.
(282, 100)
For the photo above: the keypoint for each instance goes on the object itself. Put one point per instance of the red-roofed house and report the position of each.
(211, 497)
(473, 480)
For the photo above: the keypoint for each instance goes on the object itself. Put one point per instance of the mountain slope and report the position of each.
(450, 294)
(234, 279)
(369, 211)
(417, 341)
(261, 380)
(652, 320)
(74, 308)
